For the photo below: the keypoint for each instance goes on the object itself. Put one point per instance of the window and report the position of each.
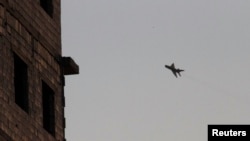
(21, 83)
(48, 109)
(47, 6)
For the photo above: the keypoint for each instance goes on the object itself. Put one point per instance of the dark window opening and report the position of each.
(21, 83)
(48, 109)
(47, 5)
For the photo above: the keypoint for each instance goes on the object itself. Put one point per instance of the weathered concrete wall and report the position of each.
(29, 32)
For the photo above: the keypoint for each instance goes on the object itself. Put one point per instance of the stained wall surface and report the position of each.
(31, 30)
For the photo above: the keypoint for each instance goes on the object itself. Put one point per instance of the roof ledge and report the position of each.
(69, 66)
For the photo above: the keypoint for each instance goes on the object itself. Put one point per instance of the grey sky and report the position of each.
(124, 93)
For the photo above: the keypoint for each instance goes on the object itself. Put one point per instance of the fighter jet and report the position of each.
(174, 70)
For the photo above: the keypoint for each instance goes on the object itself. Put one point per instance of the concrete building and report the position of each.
(32, 71)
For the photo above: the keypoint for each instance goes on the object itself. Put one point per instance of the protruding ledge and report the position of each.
(69, 66)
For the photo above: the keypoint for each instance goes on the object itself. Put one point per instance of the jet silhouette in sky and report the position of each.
(174, 70)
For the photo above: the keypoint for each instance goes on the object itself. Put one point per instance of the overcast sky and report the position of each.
(123, 91)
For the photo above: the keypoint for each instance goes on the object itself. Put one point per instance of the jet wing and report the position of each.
(174, 72)
(172, 65)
